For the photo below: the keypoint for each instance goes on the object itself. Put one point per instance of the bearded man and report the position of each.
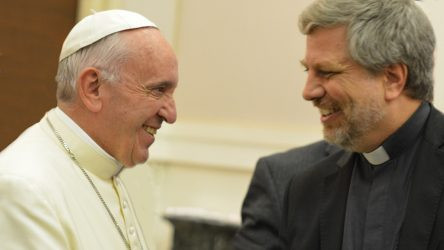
(369, 67)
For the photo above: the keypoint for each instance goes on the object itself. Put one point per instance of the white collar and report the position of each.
(100, 163)
(80, 132)
(377, 156)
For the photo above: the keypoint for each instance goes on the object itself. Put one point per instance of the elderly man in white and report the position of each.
(59, 181)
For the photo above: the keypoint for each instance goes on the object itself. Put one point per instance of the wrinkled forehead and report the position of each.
(148, 45)
(327, 42)
(148, 53)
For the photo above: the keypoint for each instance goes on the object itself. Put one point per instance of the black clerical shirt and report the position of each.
(379, 188)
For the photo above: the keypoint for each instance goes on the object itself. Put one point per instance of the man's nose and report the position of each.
(313, 89)
(168, 110)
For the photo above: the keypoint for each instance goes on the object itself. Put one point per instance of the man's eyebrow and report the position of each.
(334, 65)
(167, 84)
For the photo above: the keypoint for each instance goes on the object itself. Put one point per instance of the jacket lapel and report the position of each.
(426, 188)
(334, 199)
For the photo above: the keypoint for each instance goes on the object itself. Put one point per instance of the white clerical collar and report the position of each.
(377, 156)
(82, 134)
(404, 137)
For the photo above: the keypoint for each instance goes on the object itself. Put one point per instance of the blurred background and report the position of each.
(239, 95)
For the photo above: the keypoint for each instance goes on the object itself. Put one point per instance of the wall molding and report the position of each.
(224, 146)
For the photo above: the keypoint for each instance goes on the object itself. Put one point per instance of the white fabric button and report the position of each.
(124, 204)
(132, 230)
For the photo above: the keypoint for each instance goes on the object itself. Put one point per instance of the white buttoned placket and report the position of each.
(101, 168)
(128, 215)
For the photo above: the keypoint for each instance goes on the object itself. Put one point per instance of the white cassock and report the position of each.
(47, 203)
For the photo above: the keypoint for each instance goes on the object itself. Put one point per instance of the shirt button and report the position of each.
(125, 204)
(119, 182)
(132, 230)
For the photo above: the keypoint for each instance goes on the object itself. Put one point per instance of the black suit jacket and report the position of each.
(314, 212)
(262, 206)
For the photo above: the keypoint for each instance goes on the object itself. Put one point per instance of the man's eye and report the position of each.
(159, 90)
(326, 74)
(156, 92)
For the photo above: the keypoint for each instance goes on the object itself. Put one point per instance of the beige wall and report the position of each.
(433, 9)
(239, 98)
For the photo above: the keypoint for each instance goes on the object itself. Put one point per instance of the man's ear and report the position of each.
(88, 89)
(395, 78)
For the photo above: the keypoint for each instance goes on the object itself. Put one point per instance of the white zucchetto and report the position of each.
(99, 25)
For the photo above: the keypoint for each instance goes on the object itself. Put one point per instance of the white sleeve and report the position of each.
(27, 220)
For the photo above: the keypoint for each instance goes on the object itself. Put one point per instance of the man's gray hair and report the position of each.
(107, 55)
(382, 33)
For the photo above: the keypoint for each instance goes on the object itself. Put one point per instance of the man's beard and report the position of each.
(358, 119)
